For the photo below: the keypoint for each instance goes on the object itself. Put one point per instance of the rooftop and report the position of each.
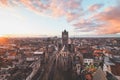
(99, 75)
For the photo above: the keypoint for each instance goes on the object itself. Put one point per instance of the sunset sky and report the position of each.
(50, 17)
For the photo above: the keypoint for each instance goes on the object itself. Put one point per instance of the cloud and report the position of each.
(84, 23)
(111, 19)
(3, 2)
(69, 9)
(95, 7)
(105, 22)
(54, 8)
(72, 16)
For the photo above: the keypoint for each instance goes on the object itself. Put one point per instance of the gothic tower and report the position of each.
(65, 38)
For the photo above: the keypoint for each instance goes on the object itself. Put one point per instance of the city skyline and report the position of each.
(41, 18)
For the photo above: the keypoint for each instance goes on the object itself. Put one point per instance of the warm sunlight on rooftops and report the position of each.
(3, 40)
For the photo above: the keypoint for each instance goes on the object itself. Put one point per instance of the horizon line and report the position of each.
(61, 37)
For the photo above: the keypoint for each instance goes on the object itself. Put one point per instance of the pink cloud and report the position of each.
(95, 7)
(111, 19)
(30, 4)
(4, 2)
(81, 23)
(73, 4)
(109, 15)
(71, 16)
(106, 22)
(65, 8)
(54, 8)
(85, 23)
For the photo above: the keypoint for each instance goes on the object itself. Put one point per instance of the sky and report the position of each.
(41, 18)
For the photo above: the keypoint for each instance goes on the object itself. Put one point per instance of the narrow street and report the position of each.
(52, 72)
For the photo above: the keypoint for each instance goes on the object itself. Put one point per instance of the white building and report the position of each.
(88, 60)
